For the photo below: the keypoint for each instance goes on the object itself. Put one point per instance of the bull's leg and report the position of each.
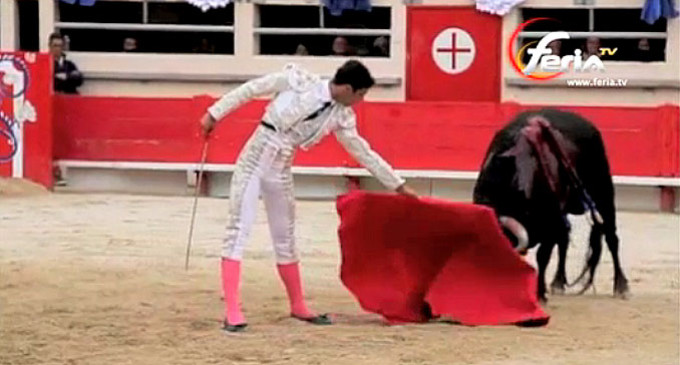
(560, 280)
(620, 282)
(543, 258)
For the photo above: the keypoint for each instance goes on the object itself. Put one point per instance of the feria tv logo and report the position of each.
(543, 65)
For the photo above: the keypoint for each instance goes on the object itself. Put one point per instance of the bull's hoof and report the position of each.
(557, 289)
(622, 295)
(543, 300)
(621, 290)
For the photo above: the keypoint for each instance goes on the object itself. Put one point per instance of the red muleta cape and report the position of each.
(411, 260)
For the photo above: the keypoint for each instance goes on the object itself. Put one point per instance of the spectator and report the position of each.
(67, 78)
(592, 47)
(644, 51)
(381, 47)
(341, 47)
(130, 44)
(301, 50)
(556, 47)
(362, 49)
(67, 43)
(204, 47)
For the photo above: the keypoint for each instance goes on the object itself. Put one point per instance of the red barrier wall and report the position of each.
(34, 71)
(410, 135)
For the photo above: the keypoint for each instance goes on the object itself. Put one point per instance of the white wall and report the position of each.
(8, 25)
(196, 74)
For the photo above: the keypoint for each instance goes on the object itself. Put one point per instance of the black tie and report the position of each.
(318, 111)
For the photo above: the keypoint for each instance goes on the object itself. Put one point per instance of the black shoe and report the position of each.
(322, 319)
(234, 327)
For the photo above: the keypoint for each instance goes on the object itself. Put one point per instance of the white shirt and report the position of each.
(298, 95)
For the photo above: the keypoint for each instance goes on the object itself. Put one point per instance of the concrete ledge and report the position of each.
(127, 181)
(314, 187)
(331, 171)
(636, 193)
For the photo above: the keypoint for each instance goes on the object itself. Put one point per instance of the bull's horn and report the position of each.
(518, 230)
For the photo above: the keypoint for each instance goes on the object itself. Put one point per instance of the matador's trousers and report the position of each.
(264, 166)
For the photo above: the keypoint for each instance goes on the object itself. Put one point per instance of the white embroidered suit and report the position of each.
(265, 162)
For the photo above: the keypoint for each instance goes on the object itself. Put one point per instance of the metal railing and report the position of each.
(146, 27)
(583, 35)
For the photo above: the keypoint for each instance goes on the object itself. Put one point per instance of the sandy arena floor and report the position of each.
(99, 279)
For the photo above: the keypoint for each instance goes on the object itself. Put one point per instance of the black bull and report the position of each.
(540, 167)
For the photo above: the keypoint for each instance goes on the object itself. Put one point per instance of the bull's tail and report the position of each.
(581, 276)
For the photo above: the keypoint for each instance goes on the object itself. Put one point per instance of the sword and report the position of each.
(193, 212)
